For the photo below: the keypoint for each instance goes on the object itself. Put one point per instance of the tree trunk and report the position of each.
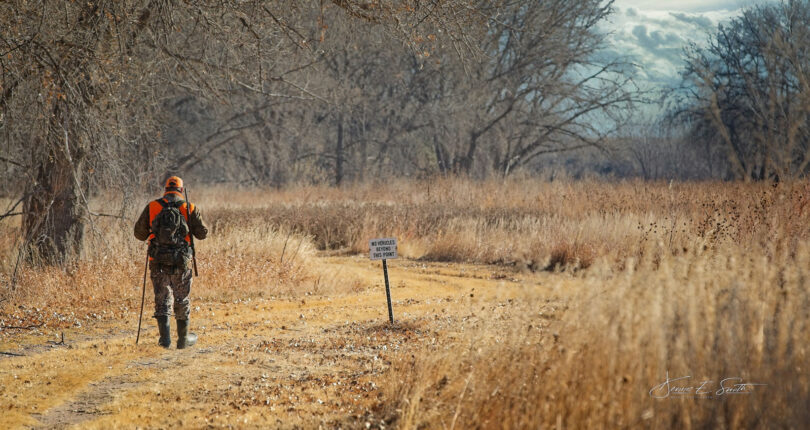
(441, 154)
(54, 213)
(339, 152)
(466, 162)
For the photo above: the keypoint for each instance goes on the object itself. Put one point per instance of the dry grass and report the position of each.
(714, 289)
(530, 224)
(705, 280)
(710, 315)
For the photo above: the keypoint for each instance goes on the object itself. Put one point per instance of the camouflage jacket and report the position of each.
(196, 226)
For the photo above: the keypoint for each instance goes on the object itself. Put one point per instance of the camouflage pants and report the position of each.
(168, 284)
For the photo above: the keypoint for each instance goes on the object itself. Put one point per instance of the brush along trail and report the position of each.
(296, 362)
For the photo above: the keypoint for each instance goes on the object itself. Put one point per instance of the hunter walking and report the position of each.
(169, 223)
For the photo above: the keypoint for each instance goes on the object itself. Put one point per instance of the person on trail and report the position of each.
(168, 224)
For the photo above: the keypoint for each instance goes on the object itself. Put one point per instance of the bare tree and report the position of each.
(68, 77)
(540, 87)
(748, 90)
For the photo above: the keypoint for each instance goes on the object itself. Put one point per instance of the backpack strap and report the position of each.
(178, 204)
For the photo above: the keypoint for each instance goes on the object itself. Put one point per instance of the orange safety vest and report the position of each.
(155, 207)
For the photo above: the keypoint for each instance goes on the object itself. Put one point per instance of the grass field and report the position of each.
(519, 304)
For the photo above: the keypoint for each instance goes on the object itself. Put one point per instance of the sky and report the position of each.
(653, 33)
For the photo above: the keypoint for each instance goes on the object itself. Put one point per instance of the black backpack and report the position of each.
(169, 247)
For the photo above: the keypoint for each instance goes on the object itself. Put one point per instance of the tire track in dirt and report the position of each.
(82, 399)
(85, 405)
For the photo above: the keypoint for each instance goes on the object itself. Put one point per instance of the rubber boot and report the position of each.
(163, 326)
(184, 338)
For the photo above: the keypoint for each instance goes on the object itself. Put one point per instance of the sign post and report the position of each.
(384, 249)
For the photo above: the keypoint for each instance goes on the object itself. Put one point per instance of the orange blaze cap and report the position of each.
(174, 182)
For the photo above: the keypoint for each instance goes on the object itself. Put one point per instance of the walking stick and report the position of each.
(191, 236)
(143, 297)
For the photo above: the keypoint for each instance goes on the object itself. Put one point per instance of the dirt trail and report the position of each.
(309, 362)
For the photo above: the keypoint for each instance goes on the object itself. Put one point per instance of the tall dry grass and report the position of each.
(529, 224)
(710, 315)
(714, 287)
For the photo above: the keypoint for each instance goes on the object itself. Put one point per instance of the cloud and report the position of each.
(698, 20)
(653, 34)
(690, 6)
(657, 39)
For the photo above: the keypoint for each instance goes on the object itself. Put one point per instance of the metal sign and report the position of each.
(383, 249)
